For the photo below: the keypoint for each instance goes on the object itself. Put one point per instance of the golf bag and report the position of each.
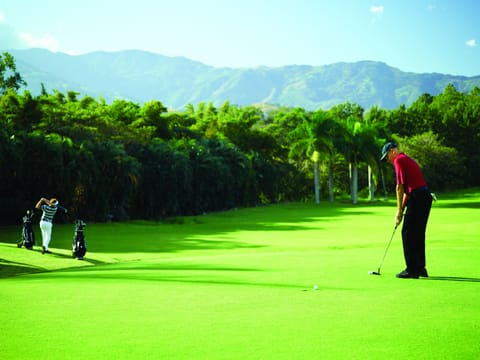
(79, 247)
(28, 236)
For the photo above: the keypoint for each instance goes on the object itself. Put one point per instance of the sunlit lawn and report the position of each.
(239, 285)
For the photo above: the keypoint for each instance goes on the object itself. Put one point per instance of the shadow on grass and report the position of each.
(228, 282)
(182, 274)
(458, 205)
(216, 231)
(71, 258)
(12, 268)
(453, 278)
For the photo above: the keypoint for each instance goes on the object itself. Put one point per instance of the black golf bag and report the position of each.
(28, 236)
(79, 247)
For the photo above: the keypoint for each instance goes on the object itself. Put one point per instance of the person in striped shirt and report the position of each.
(49, 208)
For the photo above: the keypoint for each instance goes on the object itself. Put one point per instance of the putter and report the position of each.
(371, 272)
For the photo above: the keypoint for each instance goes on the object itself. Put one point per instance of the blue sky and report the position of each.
(421, 36)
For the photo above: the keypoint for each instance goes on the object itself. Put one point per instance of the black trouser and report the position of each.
(414, 227)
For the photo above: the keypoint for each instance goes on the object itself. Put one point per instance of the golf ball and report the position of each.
(315, 287)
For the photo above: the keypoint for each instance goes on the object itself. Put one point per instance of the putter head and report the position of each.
(371, 272)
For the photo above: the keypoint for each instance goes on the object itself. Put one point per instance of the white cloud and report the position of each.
(377, 9)
(471, 43)
(72, 52)
(2, 17)
(45, 41)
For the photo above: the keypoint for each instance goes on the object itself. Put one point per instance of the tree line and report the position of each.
(126, 160)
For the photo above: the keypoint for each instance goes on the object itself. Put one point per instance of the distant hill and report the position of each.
(176, 81)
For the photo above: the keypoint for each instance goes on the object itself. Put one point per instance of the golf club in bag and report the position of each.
(28, 236)
(384, 254)
(79, 248)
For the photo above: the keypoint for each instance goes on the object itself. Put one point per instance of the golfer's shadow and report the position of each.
(453, 278)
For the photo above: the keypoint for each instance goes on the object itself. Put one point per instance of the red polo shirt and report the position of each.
(408, 173)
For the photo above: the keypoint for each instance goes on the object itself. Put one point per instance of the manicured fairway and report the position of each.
(239, 285)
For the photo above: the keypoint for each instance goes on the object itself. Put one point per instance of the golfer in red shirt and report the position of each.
(414, 196)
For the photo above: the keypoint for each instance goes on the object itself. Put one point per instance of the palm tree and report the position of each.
(330, 135)
(314, 139)
(360, 146)
(377, 118)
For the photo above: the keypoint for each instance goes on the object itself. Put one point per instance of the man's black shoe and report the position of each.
(407, 275)
(43, 250)
(423, 273)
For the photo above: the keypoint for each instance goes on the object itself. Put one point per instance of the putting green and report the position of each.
(240, 285)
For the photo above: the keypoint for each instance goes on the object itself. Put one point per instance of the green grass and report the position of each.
(239, 285)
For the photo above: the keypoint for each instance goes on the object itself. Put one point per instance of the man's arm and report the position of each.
(401, 202)
(41, 201)
(62, 208)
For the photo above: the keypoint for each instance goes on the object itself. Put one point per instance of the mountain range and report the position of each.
(141, 76)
